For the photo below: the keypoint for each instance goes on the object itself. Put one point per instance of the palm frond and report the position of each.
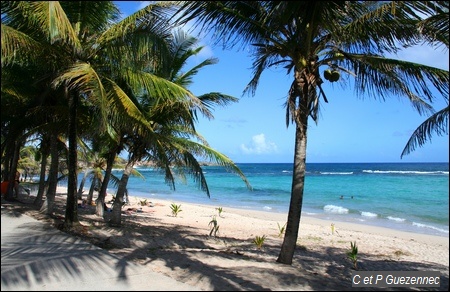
(233, 22)
(436, 28)
(90, 17)
(211, 99)
(18, 47)
(200, 150)
(436, 123)
(49, 17)
(378, 28)
(151, 20)
(381, 77)
(185, 78)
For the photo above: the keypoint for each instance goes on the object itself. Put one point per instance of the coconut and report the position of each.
(304, 62)
(327, 74)
(335, 76)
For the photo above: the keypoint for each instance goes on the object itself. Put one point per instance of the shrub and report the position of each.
(175, 209)
(281, 229)
(214, 226)
(220, 210)
(353, 254)
(259, 241)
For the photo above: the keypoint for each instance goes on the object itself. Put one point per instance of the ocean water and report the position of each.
(411, 197)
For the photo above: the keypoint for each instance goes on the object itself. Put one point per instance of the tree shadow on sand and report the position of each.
(191, 256)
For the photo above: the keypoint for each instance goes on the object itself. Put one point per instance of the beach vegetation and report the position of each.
(143, 202)
(307, 37)
(399, 253)
(214, 227)
(259, 241)
(353, 254)
(219, 210)
(281, 229)
(119, 86)
(315, 238)
(175, 209)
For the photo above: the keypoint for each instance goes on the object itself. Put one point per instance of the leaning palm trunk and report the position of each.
(303, 92)
(90, 196)
(121, 189)
(42, 183)
(48, 204)
(104, 184)
(81, 188)
(296, 203)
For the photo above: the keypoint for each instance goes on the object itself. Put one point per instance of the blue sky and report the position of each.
(350, 129)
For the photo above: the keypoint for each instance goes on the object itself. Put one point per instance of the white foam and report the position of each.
(368, 214)
(310, 213)
(430, 227)
(396, 219)
(404, 172)
(335, 209)
(342, 173)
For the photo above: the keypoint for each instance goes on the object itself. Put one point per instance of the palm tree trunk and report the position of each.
(42, 183)
(296, 203)
(12, 174)
(47, 206)
(104, 186)
(90, 195)
(304, 89)
(117, 206)
(81, 188)
(71, 216)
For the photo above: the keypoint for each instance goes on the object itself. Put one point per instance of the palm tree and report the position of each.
(39, 35)
(435, 29)
(348, 38)
(170, 144)
(85, 52)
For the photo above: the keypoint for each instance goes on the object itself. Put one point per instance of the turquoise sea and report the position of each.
(410, 197)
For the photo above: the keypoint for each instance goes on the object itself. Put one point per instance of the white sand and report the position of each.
(181, 247)
(320, 253)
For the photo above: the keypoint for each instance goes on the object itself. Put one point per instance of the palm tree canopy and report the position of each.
(345, 41)
(355, 42)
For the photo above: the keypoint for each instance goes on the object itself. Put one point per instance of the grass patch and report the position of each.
(315, 238)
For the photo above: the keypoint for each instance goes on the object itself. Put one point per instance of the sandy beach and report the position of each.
(181, 246)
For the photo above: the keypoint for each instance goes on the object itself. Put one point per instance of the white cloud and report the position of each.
(259, 145)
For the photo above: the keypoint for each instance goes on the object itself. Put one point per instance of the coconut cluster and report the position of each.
(331, 75)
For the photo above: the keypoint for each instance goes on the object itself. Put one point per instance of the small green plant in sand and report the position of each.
(220, 210)
(214, 226)
(281, 229)
(175, 209)
(353, 254)
(259, 241)
(143, 202)
(333, 230)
